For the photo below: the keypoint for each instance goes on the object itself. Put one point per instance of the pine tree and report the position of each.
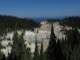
(41, 52)
(36, 53)
(28, 54)
(22, 47)
(51, 51)
(3, 57)
(15, 47)
(18, 48)
(59, 53)
(71, 45)
(72, 37)
(12, 57)
(75, 45)
(1, 54)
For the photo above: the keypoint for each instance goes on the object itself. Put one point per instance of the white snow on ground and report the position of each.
(29, 36)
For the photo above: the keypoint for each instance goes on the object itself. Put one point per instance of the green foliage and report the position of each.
(15, 52)
(28, 54)
(52, 46)
(36, 53)
(59, 53)
(19, 51)
(53, 20)
(41, 52)
(22, 47)
(10, 23)
(73, 21)
(68, 49)
(71, 46)
(1, 54)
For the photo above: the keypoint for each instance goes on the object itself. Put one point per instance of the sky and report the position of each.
(40, 8)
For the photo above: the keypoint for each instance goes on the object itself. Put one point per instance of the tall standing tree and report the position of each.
(28, 54)
(41, 52)
(71, 45)
(14, 55)
(51, 51)
(59, 52)
(3, 57)
(72, 37)
(1, 54)
(18, 48)
(36, 53)
(22, 48)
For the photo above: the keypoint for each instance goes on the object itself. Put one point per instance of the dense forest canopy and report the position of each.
(64, 49)
(73, 21)
(11, 22)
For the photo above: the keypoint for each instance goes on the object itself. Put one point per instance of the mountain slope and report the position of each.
(11, 23)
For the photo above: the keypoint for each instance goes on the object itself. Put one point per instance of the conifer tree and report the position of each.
(41, 52)
(59, 53)
(18, 48)
(1, 54)
(3, 57)
(72, 37)
(71, 45)
(36, 53)
(28, 54)
(22, 47)
(15, 47)
(51, 51)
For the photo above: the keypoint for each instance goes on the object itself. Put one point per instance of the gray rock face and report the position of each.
(43, 34)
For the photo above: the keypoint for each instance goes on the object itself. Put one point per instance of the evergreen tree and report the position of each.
(3, 57)
(28, 54)
(15, 47)
(54, 51)
(75, 45)
(59, 53)
(71, 45)
(51, 51)
(1, 54)
(12, 57)
(36, 53)
(22, 47)
(18, 48)
(41, 52)
(72, 37)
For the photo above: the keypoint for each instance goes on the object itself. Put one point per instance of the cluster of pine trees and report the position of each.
(73, 21)
(68, 49)
(10, 23)
(20, 52)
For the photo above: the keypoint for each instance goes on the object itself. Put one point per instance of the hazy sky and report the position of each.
(38, 8)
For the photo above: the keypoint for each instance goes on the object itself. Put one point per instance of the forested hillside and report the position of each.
(73, 21)
(18, 48)
(9, 23)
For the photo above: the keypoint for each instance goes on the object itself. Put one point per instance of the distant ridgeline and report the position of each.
(73, 21)
(9, 23)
